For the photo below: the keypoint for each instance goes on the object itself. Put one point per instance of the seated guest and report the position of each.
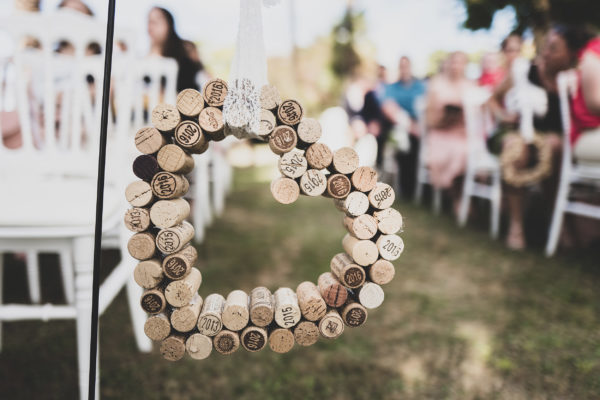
(492, 73)
(399, 99)
(585, 102)
(446, 139)
(556, 56)
(165, 42)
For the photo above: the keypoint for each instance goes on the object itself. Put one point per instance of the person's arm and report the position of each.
(590, 82)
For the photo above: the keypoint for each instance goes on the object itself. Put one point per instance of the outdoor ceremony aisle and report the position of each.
(463, 318)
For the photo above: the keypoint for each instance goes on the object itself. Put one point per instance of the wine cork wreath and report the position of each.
(185, 322)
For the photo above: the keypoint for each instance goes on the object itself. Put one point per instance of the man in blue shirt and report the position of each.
(403, 94)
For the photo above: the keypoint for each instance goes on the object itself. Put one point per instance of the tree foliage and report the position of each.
(345, 58)
(535, 14)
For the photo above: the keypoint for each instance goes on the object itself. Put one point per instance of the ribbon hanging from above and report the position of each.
(241, 110)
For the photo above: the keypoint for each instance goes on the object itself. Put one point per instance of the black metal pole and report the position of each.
(108, 50)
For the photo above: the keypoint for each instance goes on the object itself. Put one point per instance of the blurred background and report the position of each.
(483, 115)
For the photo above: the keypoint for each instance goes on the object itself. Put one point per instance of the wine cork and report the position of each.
(173, 347)
(370, 295)
(153, 301)
(190, 102)
(165, 117)
(309, 130)
(287, 310)
(306, 333)
(168, 213)
(338, 186)
(226, 342)
(166, 185)
(292, 164)
(148, 274)
(285, 190)
(281, 340)
(172, 158)
(313, 183)
(318, 156)
(332, 291)
(363, 252)
(347, 272)
(198, 346)
(157, 327)
(145, 167)
(211, 123)
(312, 305)
(269, 97)
(262, 308)
(355, 204)
(382, 196)
(178, 265)
(362, 227)
(149, 140)
(236, 314)
(364, 179)
(139, 193)
(209, 322)
(390, 247)
(180, 293)
(171, 240)
(142, 246)
(137, 219)
(354, 314)
(345, 160)
(290, 112)
(185, 318)
(267, 123)
(254, 338)
(215, 91)
(282, 139)
(382, 272)
(332, 325)
(389, 221)
(189, 136)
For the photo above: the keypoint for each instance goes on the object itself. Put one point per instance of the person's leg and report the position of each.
(516, 237)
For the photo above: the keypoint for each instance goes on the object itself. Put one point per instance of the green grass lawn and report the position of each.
(463, 319)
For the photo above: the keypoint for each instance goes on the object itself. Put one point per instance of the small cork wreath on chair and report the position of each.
(538, 157)
(180, 318)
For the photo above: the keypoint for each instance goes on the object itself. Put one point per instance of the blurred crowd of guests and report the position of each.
(164, 42)
(409, 111)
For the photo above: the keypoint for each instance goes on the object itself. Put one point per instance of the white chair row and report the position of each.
(50, 206)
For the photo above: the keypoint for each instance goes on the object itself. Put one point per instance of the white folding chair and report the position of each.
(570, 173)
(479, 162)
(422, 170)
(53, 175)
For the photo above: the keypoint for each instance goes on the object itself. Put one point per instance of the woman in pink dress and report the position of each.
(447, 139)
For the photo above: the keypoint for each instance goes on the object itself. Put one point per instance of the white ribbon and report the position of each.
(241, 110)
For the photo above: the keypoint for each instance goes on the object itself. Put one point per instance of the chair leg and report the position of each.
(138, 316)
(66, 266)
(437, 200)
(418, 190)
(33, 276)
(83, 253)
(197, 213)
(496, 201)
(1, 294)
(465, 201)
(557, 217)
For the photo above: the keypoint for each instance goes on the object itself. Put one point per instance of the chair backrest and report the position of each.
(155, 81)
(476, 117)
(335, 127)
(564, 80)
(58, 95)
